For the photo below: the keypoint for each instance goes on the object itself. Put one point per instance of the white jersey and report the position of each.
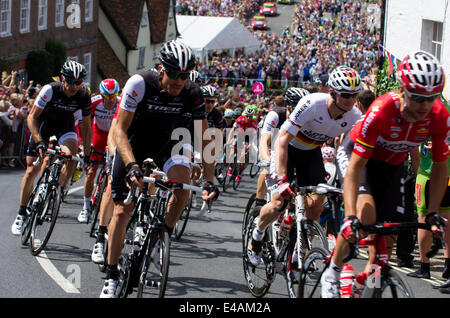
(312, 125)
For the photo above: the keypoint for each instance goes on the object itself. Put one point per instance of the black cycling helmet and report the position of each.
(73, 70)
(209, 91)
(177, 56)
(294, 94)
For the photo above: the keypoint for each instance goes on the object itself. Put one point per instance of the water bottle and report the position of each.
(77, 173)
(347, 276)
(285, 226)
(331, 242)
(358, 286)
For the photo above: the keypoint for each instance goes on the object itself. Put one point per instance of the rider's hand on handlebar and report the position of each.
(41, 148)
(210, 191)
(284, 188)
(349, 227)
(436, 222)
(134, 176)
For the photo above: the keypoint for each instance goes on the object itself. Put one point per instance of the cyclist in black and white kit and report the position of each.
(53, 115)
(316, 118)
(272, 123)
(153, 105)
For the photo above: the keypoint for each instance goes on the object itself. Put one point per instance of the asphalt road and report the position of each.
(282, 20)
(205, 263)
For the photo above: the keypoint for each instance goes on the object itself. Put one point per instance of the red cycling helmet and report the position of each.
(422, 72)
(109, 86)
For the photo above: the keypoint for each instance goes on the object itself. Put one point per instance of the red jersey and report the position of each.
(102, 116)
(384, 135)
(241, 123)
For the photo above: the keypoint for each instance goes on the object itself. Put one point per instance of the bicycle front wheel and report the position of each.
(254, 169)
(314, 264)
(45, 220)
(391, 285)
(102, 183)
(259, 278)
(155, 270)
(314, 235)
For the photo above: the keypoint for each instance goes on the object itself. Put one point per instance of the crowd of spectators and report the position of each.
(16, 99)
(323, 35)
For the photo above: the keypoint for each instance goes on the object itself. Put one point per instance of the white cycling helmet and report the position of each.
(177, 56)
(229, 113)
(345, 79)
(196, 77)
(421, 71)
(294, 94)
(209, 91)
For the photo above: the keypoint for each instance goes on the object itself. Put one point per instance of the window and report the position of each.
(144, 20)
(89, 8)
(24, 16)
(42, 15)
(141, 60)
(87, 64)
(436, 42)
(5, 18)
(59, 13)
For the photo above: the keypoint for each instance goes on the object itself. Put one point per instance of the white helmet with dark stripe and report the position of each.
(345, 79)
(73, 70)
(209, 91)
(177, 56)
(294, 94)
(196, 77)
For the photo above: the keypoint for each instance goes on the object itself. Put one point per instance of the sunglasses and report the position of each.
(210, 101)
(175, 75)
(421, 98)
(110, 96)
(347, 95)
(73, 82)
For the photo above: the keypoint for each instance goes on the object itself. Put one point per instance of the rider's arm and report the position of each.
(208, 168)
(415, 159)
(282, 143)
(32, 122)
(86, 133)
(438, 185)
(264, 146)
(352, 181)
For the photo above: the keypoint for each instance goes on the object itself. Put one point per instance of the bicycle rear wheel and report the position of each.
(314, 264)
(314, 234)
(292, 265)
(247, 214)
(102, 183)
(392, 285)
(45, 220)
(259, 278)
(155, 269)
(182, 222)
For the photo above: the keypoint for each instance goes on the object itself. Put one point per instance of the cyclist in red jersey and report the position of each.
(104, 106)
(245, 125)
(394, 125)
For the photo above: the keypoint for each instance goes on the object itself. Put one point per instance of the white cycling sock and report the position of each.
(87, 204)
(258, 234)
(334, 271)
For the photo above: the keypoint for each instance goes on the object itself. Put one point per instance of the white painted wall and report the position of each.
(112, 37)
(407, 28)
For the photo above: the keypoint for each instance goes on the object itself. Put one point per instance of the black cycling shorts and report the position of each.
(163, 158)
(47, 129)
(307, 166)
(385, 182)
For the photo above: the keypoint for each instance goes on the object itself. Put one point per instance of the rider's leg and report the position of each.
(261, 188)
(178, 201)
(70, 147)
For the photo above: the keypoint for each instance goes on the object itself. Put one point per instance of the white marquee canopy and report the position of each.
(204, 34)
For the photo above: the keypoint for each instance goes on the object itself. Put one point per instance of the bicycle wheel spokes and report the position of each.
(258, 278)
(315, 235)
(292, 270)
(155, 270)
(314, 264)
(45, 220)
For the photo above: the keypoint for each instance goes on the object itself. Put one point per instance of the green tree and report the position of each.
(386, 83)
(59, 52)
(39, 66)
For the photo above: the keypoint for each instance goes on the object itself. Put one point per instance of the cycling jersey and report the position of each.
(242, 125)
(311, 124)
(58, 107)
(274, 119)
(384, 135)
(156, 115)
(102, 116)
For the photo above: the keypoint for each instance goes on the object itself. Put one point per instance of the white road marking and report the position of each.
(52, 271)
(54, 274)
